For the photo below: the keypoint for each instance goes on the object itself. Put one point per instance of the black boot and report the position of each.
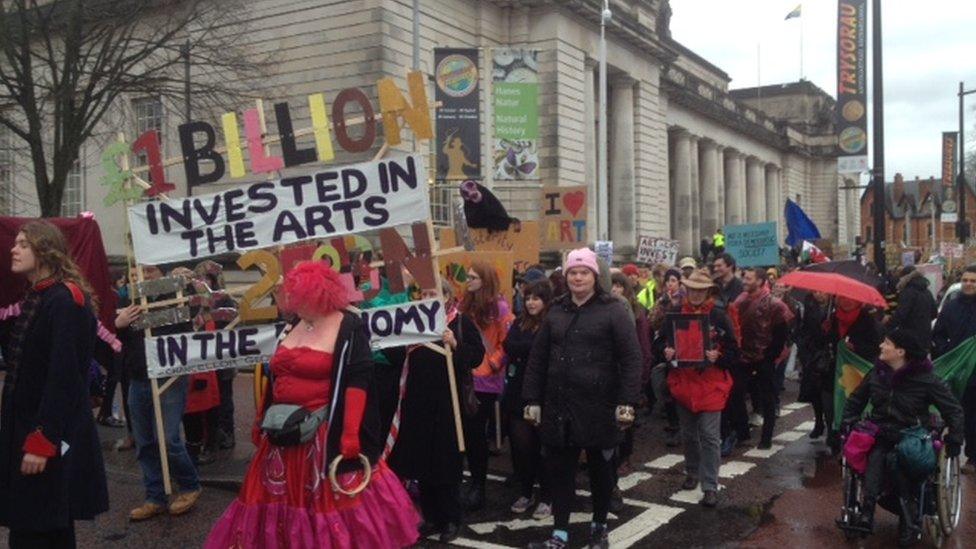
(818, 429)
(909, 532)
(474, 499)
(865, 522)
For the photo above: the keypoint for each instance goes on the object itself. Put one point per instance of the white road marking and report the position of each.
(643, 524)
(691, 497)
(666, 461)
(631, 480)
(627, 501)
(789, 436)
(805, 426)
(733, 469)
(485, 528)
(464, 542)
(796, 406)
(763, 454)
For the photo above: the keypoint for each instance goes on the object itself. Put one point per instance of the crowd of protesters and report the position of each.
(564, 371)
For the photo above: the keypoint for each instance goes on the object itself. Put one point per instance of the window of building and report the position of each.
(440, 203)
(149, 116)
(6, 172)
(73, 198)
(867, 233)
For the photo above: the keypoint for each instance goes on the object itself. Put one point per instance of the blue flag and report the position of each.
(799, 226)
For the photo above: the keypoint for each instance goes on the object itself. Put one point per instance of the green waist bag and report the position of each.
(916, 455)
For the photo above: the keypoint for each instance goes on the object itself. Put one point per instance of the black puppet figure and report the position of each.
(483, 210)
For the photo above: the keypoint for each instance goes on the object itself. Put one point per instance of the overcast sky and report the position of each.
(929, 47)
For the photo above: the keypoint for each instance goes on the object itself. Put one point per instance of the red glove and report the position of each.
(352, 418)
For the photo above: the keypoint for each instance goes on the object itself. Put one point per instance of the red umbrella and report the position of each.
(834, 284)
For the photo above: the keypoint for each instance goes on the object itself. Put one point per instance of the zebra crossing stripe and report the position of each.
(642, 525)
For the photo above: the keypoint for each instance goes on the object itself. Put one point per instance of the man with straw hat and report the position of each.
(702, 391)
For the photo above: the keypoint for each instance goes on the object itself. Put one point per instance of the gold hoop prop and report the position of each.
(367, 474)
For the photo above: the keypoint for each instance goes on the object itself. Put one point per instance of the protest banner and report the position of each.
(952, 250)
(454, 268)
(752, 245)
(562, 218)
(331, 202)
(522, 241)
(515, 86)
(654, 251)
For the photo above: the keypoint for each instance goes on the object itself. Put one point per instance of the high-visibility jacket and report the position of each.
(646, 296)
(718, 240)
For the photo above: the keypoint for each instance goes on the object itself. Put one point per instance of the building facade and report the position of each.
(687, 154)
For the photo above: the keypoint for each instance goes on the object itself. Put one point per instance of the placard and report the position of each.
(689, 337)
(752, 245)
(655, 251)
(604, 250)
(951, 249)
(515, 78)
(562, 217)
(454, 269)
(524, 243)
(334, 201)
(459, 115)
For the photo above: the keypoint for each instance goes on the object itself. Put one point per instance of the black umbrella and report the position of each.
(849, 268)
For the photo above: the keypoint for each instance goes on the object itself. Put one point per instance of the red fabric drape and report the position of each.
(85, 245)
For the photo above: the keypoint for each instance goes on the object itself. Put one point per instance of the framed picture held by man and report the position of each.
(689, 337)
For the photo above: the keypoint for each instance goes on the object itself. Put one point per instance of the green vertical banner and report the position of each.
(956, 366)
(849, 371)
(515, 88)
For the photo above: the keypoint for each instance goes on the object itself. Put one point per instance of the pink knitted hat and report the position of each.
(583, 257)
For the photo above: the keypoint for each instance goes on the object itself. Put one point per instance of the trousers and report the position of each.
(701, 436)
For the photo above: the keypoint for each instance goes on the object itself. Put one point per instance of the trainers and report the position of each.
(542, 511)
(522, 505)
(710, 499)
(184, 502)
(690, 483)
(146, 511)
(598, 537)
(551, 543)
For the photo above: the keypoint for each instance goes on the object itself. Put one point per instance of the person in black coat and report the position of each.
(900, 388)
(51, 469)
(916, 306)
(581, 385)
(426, 449)
(817, 372)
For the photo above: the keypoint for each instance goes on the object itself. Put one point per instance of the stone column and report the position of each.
(743, 201)
(774, 208)
(695, 195)
(590, 145)
(681, 185)
(720, 186)
(623, 230)
(708, 176)
(733, 189)
(755, 190)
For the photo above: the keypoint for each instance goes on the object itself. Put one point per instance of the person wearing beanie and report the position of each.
(581, 385)
(900, 389)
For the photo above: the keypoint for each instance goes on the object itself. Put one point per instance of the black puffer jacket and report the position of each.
(585, 361)
(916, 307)
(901, 399)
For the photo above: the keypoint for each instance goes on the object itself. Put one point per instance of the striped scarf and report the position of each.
(15, 347)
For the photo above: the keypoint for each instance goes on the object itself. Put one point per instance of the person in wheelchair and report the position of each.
(900, 388)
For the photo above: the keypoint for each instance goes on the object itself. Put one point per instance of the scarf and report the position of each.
(28, 310)
(846, 319)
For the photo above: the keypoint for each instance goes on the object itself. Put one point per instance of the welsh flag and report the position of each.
(813, 254)
(954, 367)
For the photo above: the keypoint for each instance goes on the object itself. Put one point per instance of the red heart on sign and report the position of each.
(574, 201)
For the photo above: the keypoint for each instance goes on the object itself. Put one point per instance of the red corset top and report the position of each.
(302, 376)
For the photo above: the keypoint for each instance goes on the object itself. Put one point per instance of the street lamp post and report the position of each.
(878, 172)
(962, 225)
(602, 206)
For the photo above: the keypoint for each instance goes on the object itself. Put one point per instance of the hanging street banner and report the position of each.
(562, 217)
(195, 352)
(333, 201)
(515, 87)
(752, 245)
(950, 141)
(654, 251)
(459, 116)
(851, 118)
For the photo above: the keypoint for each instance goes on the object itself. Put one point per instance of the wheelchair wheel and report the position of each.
(853, 504)
(934, 527)
(948, 493)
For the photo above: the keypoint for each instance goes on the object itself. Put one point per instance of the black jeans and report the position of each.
(767, 392)
(735, 416)
(561, 465)
(440, 503)
(876, 474)
(476, 438)
(113, 378)
(526, 456)
(50, 539)
(225, 411)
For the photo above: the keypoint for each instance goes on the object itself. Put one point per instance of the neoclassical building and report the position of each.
(687, 154)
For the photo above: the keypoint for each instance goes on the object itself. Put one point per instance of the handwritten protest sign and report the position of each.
(331, 202)
(653, 251)
(523, 243)
(951, 249)
(604, 250)
(752, 245)
(563, 217)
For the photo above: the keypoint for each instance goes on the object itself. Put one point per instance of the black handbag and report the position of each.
(291, 424)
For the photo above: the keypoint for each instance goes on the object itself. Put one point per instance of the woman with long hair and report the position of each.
(51, 469)
(523, 436)
(426, 448)
(322, 364)
(484, 305)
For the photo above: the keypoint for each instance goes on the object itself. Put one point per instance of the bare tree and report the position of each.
(65, 63)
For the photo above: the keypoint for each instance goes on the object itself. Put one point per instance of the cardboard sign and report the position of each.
(524, 243)
(752, 245)
(563, 218)
(951, 249)
(331, 202)
(654, 251)
(454, 269)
